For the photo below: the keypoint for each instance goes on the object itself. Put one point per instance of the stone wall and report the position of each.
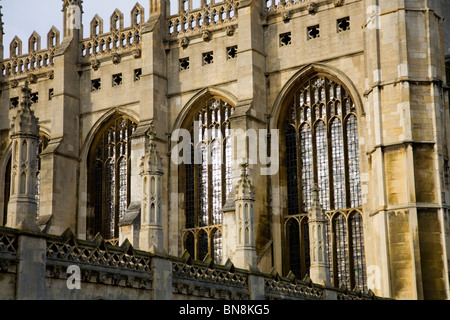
(40, 267)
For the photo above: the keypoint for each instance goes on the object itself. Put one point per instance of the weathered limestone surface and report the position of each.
(394, 61)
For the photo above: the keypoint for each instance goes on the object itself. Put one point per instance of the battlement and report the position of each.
(118, 40)
(35, 60)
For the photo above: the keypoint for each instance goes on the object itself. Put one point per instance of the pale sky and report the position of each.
(22, 17)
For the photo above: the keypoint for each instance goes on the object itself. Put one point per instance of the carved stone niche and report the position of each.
(338, 3)
(206, 35)
(312, 7)
(184, 42)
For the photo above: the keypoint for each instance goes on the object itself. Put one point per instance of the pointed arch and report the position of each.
(34, 42)
(96, 26)
(15, 48)
(318, 115)
(116, 20)
(137, 15)
(53, 37)
(206, 180)
(284, 98)
(105, 169)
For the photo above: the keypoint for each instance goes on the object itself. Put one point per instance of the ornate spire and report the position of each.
(25, 122)
(22, 207)
(245, 189)
(151, 231)
(245, 254)
(152, 161)
(319, 267)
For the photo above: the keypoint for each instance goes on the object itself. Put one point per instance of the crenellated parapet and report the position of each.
(35, 61)
(209, 17)
(118, 42)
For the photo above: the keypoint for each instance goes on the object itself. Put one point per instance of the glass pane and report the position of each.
(98, 197)
(322, 164)
(291, 163)
(359, 262)
(306, 247)
(202, 245)
(217, 247)
(190, 244)
(307, 166)
(123, 185)
(190, 192)
(338, 164)
(110, 198)
(343, 274)
(216, 183)
(204, 190)
(353, 162)
(294, 247)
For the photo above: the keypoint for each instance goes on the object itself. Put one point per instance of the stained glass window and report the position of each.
(207, 184)
(307, 163)
(321, 144)
(109, 177)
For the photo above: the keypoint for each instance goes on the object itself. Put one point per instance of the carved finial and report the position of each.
(152, 132)
(315, 193)
(244, 165)
(245, 189)
(26, 103)
(151, 163)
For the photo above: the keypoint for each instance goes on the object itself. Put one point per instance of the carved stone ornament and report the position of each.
(184, 42)
(32, 78)
(116, 58)
(136, 53)
(95, 64)
(14, 84)
(206, 35)
(312, 7)
(287, 16)
(51, 75)
(229, 30)
(338, 3)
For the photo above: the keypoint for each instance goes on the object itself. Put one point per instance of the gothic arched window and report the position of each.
(207, 179)
(108, 177)
(321, 146)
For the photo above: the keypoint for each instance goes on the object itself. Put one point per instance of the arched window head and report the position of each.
(321, 147)
(207, 178)
(108, 177)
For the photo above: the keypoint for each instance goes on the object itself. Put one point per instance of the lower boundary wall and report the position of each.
(37, 266)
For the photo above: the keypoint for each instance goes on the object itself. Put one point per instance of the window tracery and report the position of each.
(109, 178)
(321, 140)
(208, 182)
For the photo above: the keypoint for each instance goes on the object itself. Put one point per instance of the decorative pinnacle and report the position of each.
(245, 189)
(26, 103)
(315, 193)
(151, 163)
(244, 165)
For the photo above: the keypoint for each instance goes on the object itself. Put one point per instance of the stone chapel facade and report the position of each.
(313, 136)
